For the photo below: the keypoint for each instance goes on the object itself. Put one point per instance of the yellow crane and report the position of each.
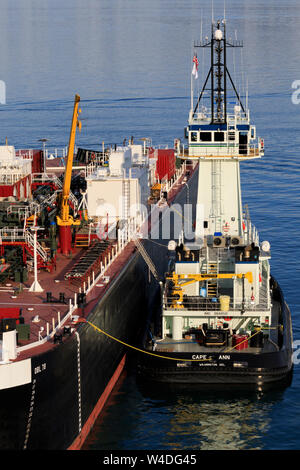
(64, 220)
(181, 280)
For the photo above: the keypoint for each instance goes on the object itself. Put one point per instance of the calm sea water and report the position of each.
(130, 61)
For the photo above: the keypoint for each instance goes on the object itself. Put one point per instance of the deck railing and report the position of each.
(201, 304)
(22, 235)
(124, 236)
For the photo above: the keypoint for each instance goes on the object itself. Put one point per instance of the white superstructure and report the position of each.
(223, 275)
(13, 169)
(120, 190)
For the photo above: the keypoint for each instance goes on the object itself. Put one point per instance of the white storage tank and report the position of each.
(177, 328)
(137, 153)
(120, 161)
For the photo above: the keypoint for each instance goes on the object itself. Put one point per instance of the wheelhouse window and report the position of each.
(219, 136)
(194, 136)
(205, 136)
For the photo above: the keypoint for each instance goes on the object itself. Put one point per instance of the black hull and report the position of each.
(254, 378)
(52, 411)
(240, 370)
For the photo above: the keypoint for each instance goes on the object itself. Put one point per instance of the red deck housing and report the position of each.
(9, 312)
(165, 163)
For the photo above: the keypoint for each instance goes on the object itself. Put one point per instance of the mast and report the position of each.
(218, 72)
(219, 139)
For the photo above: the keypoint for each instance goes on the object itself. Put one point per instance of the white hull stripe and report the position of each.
(15, 374)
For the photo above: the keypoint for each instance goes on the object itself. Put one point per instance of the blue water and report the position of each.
(130, 61)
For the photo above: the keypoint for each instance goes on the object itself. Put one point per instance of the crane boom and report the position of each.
(181, 280)
(64, 220)
(185, 279)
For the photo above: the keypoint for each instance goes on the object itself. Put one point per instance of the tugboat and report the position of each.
(223, 317)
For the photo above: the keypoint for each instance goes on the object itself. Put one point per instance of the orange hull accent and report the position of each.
(80, 439)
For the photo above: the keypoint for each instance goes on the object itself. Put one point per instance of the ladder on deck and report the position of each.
(82, 240)
(41, 252)
(231, 132)
(83, 237)
(30, 221)
(211, 267)
(146, 257)
(216, 207)
(126, 198)
(126, 203)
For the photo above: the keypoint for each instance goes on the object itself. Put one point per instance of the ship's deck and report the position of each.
(191, 346)
(34, 305)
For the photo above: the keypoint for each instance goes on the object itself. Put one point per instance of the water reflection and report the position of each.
(217, 421)
(223, 425)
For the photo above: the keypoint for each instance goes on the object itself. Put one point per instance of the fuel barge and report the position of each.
(70, 265)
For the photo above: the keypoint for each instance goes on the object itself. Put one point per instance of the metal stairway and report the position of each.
(126, 203)
(126, 197)
(211, 266)
(216, 208)
(23, 237)
(146, 257)
(41, 253)
(83, 237)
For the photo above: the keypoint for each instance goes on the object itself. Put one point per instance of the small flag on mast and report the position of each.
(195, 67)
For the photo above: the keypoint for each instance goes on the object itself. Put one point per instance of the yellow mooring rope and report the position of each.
(143, 351)
(157, 355)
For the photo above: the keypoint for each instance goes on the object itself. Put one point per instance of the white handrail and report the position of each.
(16, 234)
(125, 235)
